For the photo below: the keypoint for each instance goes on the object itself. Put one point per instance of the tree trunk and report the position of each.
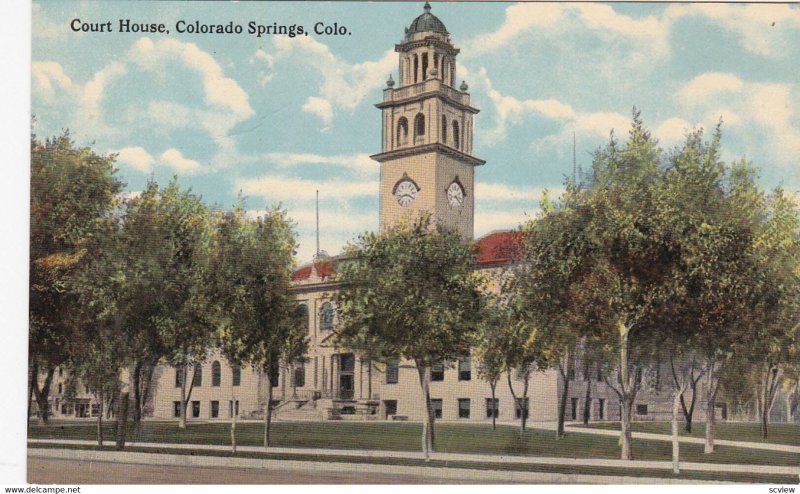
(182, 418)
(524, 421)
(688, 414)
(122, 419)
(587, 401)
(564, 370)
(233, 423)
(100, 423)
(770, 388)
(137, 395)
(43, 394)
(267, 410)
(33, 372)
(427, 428)
(626, 396)
(676, 446)
(790, 398)
(493, 385)
(517, 402)
(711, 403)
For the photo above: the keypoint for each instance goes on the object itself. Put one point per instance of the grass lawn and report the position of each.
(450, 438)
(563, 469)
(734, 431)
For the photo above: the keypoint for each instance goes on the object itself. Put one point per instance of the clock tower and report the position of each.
(426, 161)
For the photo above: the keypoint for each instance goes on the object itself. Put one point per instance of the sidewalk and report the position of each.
(785, 448)
(412, 474)
(454, 457)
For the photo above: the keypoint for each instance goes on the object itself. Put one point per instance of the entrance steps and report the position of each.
(298, 410)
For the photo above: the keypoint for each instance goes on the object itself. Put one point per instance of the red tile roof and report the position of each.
(494, 248)
(324, 270)
(498, 247)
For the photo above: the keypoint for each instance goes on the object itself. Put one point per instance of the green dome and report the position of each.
(427, 22)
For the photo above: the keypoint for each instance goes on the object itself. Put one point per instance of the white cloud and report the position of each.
(136, 157)
(519, 19)
(275, 188)
(178, 162)
(219, 91)
(333, 221)
(554, 22)
(170, 115)
(360, 163)
(486, 222)
(761, 29)
(706, 86)
(344, 85)
(319, 107)
(43, 27)
(672, 131)
(45, 74)
(760, 118)
(511, 109)
(93, 92)
(495, 192)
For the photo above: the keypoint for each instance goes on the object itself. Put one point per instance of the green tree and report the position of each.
(72, 191)
(597, 263)
(489, 352)
(260, 323)
(152, 283)
(410, 293)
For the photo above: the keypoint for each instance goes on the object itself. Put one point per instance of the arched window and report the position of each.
(424, 66)
(419, 126)
(216, 373)
(402, 131)
(416, 69)
(237, 375)
(197, 380)
(444, 129)
(327, 316)
(302, 315)
(456, 136)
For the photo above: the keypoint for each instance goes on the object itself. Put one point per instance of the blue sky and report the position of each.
(278, 118)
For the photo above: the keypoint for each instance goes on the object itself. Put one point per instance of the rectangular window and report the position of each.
(274, 377)
(230, 408)
(574, 410)
(391, 407)
(437, 407)
(492, 408)
(571, 374)
(214, 409)
(178, 378)
(177, 409)
(522, 405)
(437, 372)
(599, 374)
(237, 375)
(197, 378)
(601, 408)
(299, 374)
(465, 369)
(195, 409)
(641, 409)
(463, 408)
(392, 372)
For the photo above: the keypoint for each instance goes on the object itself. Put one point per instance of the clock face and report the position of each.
(455, 194)
(405, 192)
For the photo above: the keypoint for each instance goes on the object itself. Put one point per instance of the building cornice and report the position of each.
(428, 148)
(430, 94)
(428, 41)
